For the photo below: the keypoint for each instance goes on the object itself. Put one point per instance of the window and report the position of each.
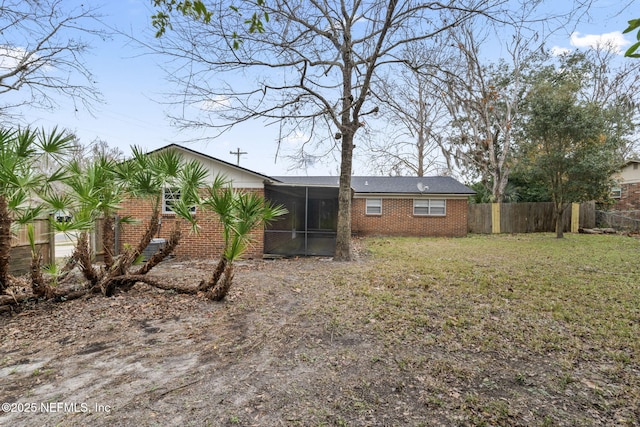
(616, 192)
(429, 206)
(169, 196)
(374, 207)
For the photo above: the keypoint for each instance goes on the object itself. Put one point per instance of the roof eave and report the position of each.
(361, 194)
(278, 183)
(215, 159)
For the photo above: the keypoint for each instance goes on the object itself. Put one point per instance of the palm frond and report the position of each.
(183, 210)
(55, 142)
(59, 201)
(128, 220)
(28, 214)
(51, 268)
(191, 178)
(25, 143)
(57, 175)
(240, 214)
(220, 181)
(167, 163)
(17, 199)
(31, 236)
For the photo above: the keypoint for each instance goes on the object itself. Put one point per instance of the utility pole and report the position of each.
(238, 153)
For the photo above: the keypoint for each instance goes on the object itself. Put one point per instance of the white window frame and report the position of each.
(425, 207)
(166, 201)
(373, 206)
(616, 192)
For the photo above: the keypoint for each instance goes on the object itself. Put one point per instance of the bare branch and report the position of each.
(41, 50)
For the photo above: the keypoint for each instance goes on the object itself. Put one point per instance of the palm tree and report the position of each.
(92, 192)
(148, 177)
(22, 185)
(95, 191)
(240, 213)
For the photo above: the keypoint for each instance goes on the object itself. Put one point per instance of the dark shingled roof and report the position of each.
(386, 184)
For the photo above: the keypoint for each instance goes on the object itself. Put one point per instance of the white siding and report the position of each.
(630, 174)
(239, 177)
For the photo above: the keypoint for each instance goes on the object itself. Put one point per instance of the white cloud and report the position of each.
(216, 103)
(614, 41)
(296, 138)
(10, 57)
(559, 51)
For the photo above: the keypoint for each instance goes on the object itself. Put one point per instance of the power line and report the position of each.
(238, 153)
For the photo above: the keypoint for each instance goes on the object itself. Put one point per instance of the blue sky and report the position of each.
(132, 83)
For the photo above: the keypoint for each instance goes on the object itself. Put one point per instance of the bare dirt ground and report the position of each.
(280, 351)
(151, 357)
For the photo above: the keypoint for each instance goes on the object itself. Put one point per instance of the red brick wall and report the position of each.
(397, 219)
(206, 244)
(629, 198)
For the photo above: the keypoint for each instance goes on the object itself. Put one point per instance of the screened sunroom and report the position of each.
(309, 228)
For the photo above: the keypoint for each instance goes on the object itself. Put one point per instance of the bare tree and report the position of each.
(414, 114)
(615, 87)
(311, 70)
(86, 154)
(83, 154)
(41, 49)
(483, 98)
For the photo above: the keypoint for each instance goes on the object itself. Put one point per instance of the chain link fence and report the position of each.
(619, 220)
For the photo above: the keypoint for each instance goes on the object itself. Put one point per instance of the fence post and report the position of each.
(575, 217)
(495, 218)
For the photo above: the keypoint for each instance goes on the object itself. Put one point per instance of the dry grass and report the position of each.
(522, 330)
(519, 316)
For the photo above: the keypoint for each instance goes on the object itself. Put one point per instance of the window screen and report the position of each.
(169, 196)
(429, 207)
(374, 206)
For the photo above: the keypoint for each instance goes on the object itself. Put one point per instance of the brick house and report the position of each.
(381, 206)
(209, 240)
(627, 192)
(390, 206)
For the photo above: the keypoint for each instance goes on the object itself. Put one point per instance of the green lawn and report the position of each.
(556, 316)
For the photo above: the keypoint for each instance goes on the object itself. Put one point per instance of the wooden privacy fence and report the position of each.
(96, 240)
(485, 218)
(20, 261)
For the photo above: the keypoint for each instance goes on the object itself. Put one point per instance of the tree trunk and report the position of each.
(152, 229)
(421, 142)
(5, 243)
(108, 241)
(559, 210)
(220, 291)
(126, 282)
(126, 260)
(343, 237)
(83, 254)
(215, 278)
(500, 179)
(40, 288)
(72, 262)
